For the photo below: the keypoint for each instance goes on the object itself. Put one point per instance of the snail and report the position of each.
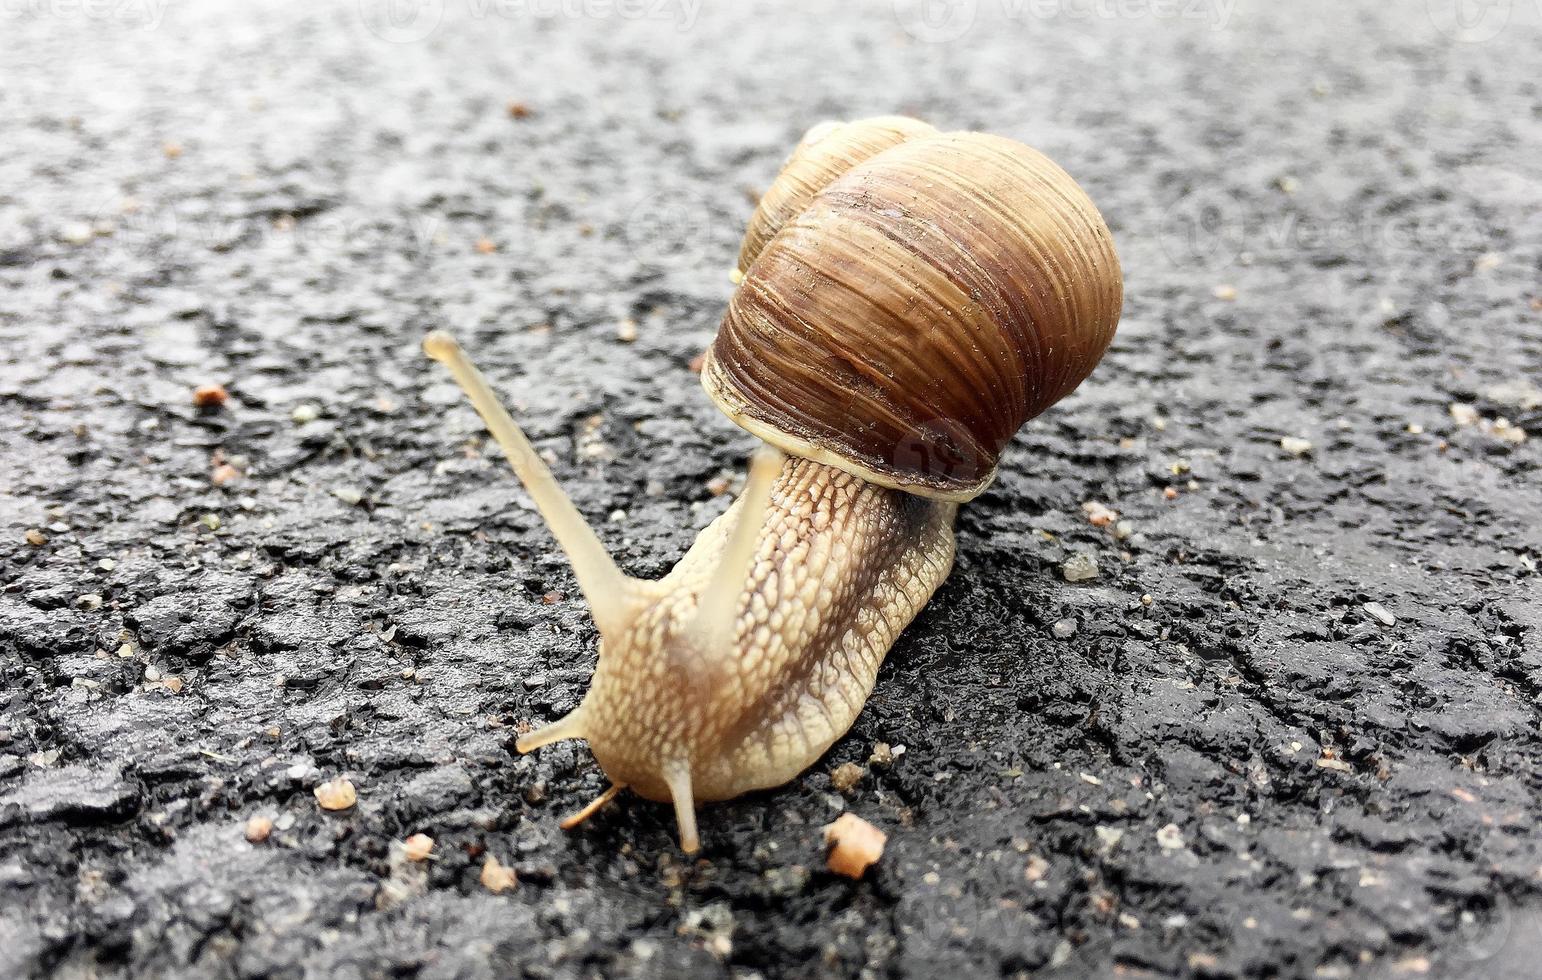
(908, 299)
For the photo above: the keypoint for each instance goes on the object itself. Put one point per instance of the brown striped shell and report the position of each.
(928, 299)
(825, 152)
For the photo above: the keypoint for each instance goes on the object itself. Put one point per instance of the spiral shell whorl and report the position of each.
(918, 310)
(825, 152)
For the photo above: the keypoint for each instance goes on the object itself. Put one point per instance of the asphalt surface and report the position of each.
(1290, 729)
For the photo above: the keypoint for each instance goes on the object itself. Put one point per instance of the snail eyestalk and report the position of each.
(568, 726)
(718, 606)
(604, 585)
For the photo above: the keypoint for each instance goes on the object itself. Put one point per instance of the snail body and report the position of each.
(839, 567)
(909, 299)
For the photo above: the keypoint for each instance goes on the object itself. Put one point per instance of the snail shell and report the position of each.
(929, 298)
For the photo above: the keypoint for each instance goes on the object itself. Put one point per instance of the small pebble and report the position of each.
(172, 684)
(210, 521)
(1098, 514)
(1123, 530)
(882, 755)
(1079, 568)
(1170, 838)
(36, 538)
(1296, 446)
(1505, 432)
(89, 601)
(258, 827)
(223, 474)
(418, 847)
(1109, 837)
(1065, 628)
(845, 776)
(1171, 493)
(519, 110)
(172, 150)
(305, 412)
(210, 396)
(854, 845)
(1462, 413)
(717, 486)
(626, 331)
(107, 564)
(497, 878)
(486, 246)
(76, 233)
(1224, 291)
(336, 794)
(1379, 612)
(348, 495)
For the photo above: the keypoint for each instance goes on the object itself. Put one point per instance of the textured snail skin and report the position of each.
(840, 568)
(922, 306)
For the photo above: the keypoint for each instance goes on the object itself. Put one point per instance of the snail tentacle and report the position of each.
(568, 726)
(677, 776)
(592, 807)
(718, 607)
(611, 593)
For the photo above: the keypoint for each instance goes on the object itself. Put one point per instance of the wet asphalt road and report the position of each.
(1291, 729)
